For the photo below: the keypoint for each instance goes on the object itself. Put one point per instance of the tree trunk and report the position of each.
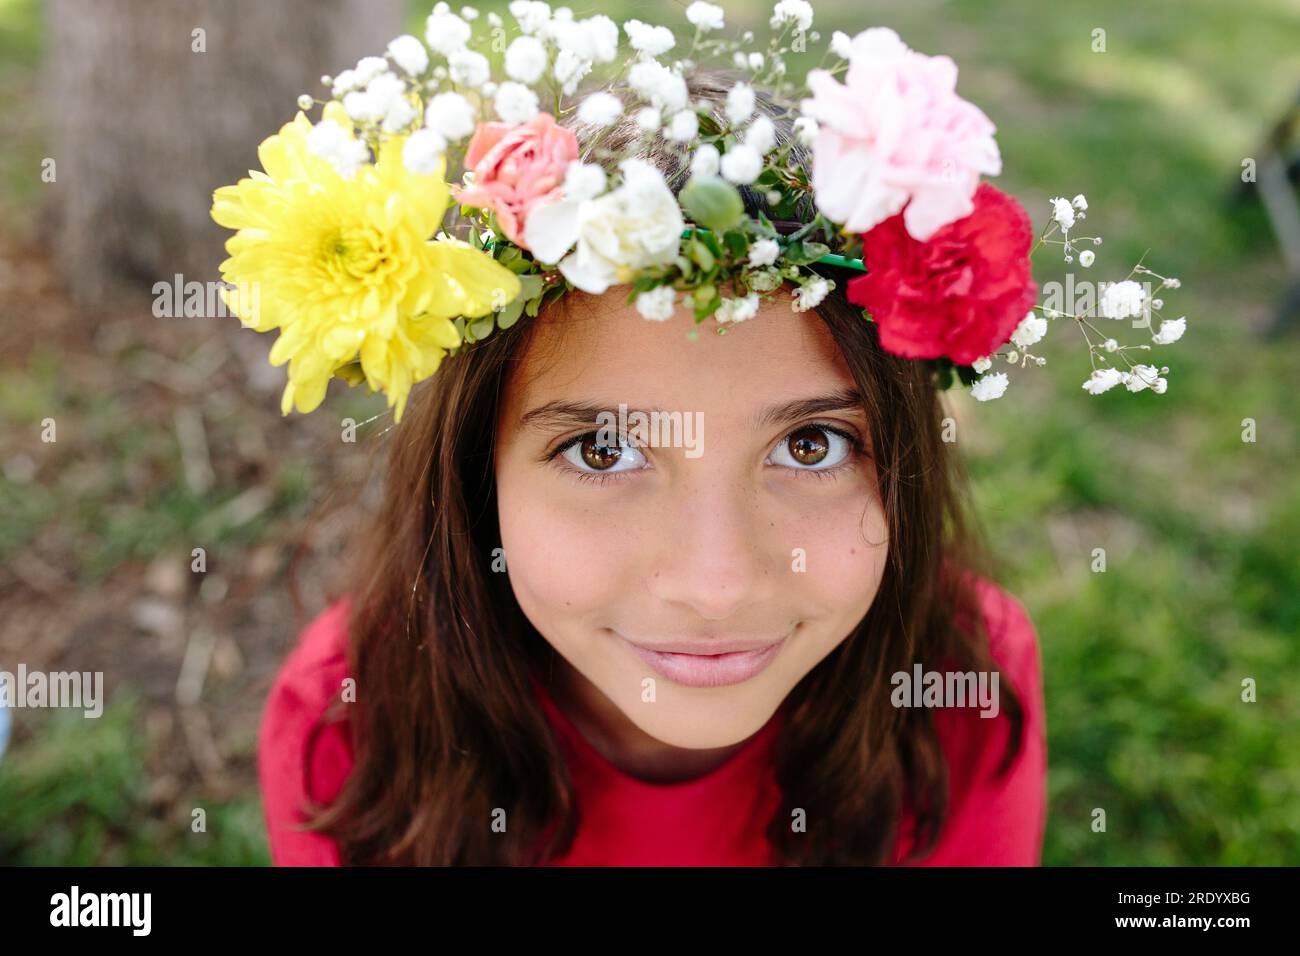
(152, 104)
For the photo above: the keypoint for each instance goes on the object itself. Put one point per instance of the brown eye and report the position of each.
(812, 448)
(590, 455)
(808, 446)
(600, 457)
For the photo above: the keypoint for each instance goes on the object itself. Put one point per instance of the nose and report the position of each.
(716, 556)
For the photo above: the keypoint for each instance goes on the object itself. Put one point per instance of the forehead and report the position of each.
(599, 348)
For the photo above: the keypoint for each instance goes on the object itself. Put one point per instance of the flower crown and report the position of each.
(347, 244)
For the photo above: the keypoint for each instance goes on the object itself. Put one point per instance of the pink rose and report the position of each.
(895, 135)
(517, 167)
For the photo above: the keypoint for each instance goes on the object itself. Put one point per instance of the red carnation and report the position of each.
(959, 294)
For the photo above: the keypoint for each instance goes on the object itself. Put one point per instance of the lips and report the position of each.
(713, 662)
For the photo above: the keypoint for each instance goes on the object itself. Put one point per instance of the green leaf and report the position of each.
(736, 244)
(510, 314)
(530, 286)
(700, 253)
(482, 328)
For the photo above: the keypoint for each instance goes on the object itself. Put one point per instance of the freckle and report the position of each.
(853, 550)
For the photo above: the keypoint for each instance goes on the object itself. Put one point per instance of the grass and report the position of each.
(1144, 663)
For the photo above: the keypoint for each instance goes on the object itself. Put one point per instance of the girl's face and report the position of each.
(695, 565)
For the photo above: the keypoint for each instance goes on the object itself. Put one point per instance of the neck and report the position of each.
(620, 741)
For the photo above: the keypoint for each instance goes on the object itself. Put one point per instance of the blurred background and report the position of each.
(117, 120)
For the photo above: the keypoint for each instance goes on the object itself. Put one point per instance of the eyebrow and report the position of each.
(554, 415)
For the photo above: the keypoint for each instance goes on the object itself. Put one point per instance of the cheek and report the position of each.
(838, 560)
(565, 563)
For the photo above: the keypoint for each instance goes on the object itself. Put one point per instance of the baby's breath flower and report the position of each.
(1101, 380)
(805, 129)
(740, 103)
(741, 164)
(409, 54)
(422, 151)
(988, 387)
(445, 32)
(684, 127)
(810, 294)
(600, 109)
(526, 59)
(1171, 330)
(1063, 213)
(515, 103)
(648, 39)
(737, 310)
(450, 115)
(705, 161)
(468, 68)
(761, 135)
(982, 365)
(798, 12)
(841, 44)
(706, 16)
(764, 252)
(657, 304)
(1030, 330)
(1086, 258)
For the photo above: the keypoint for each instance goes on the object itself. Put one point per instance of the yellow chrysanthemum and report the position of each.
(345, 267)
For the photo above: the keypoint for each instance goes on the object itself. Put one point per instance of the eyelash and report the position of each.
(819, 474)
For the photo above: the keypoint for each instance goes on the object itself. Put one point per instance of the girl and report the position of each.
(561, 647)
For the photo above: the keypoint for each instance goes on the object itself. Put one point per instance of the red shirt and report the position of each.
(717, 819)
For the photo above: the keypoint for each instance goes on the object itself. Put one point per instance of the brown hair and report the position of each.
(447, 727)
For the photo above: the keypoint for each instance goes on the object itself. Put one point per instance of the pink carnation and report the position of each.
(517, 167)
(895, 131)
